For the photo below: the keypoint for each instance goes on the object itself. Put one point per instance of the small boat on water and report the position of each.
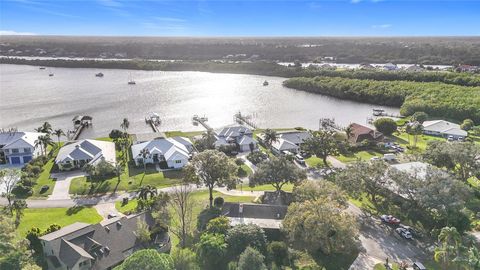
(41, 67)
(265, 83)
(132, 82)
(51, 74)
(100, 74)
(378, 112)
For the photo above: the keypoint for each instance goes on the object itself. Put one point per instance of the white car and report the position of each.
(404, 233)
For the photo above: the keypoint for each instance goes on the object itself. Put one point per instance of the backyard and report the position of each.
(44, 217)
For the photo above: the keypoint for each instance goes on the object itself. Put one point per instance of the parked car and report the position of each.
(112, 215)
(414, 232)
(460, 139)
(450, 138)
(389, 157)
(389, 219)
(418, 266)
(404, 233)
(299, 159)
(374, 158)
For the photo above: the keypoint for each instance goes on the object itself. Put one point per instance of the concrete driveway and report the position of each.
(104, 209)
(62, 184)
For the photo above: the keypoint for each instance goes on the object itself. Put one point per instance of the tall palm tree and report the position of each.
(144, 191)
(447, 251)
(269, 137)
(125, 124)
(44, 141)
(59, 132)
(415, 129)
(145, 153)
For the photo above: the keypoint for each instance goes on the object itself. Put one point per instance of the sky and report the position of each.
(240, 18)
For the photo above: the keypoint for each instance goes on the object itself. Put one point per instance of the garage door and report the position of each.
(26, 159)
(15, 160)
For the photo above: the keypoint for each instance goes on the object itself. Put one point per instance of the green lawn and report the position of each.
(402, 139)
(314, 161)
(361, 155)
(131, 179)
(188, 134)
(44, 177)
(43, 217)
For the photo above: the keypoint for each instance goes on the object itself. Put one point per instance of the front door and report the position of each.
(15, 160)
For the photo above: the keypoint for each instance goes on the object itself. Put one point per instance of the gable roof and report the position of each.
(361, 131)
(284, 145)
(263, 215)
(294, 136)
(170, 148)
(87, 149)
(107, 242)
(234, 131)
(10, 139)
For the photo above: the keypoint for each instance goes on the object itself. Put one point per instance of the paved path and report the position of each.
(336, 163)
(62, 184)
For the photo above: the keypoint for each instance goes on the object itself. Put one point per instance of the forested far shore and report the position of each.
(436, 99)
(257, 68)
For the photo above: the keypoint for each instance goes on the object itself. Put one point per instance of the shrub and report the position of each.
(239, 161)
(251, 259)
(385, 125)
(419, 117)
(205, 216)
(467, 124)
(218, 202)
(256, 157)
(244, 235)
(278, 253)
(219, 225)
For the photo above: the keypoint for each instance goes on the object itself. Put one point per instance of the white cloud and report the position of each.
(355, 1)
(383, 26)
(15, 33)
(110, 3)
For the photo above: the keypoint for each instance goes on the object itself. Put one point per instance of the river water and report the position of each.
(28, 97)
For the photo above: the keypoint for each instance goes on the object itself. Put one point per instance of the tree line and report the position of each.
(435, 99)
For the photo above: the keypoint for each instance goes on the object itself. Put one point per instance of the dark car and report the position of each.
(418, 266)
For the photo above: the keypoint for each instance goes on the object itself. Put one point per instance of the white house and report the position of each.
(235, 135)
(19, 147)
(75, 155)
(290, 141)
(175, 151)
(443, 128)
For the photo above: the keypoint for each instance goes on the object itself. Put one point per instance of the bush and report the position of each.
(205, 216)
(147, 259)
(244, 235)
(241, 172)
(239, 161)
(211, 251)
(278, 253)
(219, 225)
(467, 124)
(419, 117)
(385, 125)
(256, 157)
(218, 202)
(251, 259)
(185, 259)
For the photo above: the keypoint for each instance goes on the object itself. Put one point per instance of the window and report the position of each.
(14, 150)
(6, 151)
(26, 150)
(178, 161)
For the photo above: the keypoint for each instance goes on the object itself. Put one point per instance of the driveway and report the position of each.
(104, 209)
(380, 241)
(62, 184)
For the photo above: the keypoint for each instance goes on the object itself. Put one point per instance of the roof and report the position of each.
(170, 148)
(360, 130)
(246, 140)
(263, 215)
(444, 127)
(87, 149)
(234, 131)
(284, 145)
(108, 243)
(418, 168)
(64, 231)
(294, 136)
(8, 139)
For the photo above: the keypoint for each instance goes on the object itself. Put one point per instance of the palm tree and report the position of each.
(145, 153)
(44, 141)
(118, 170)
(59, 132)
(415, 129)
(46, 127)
(349, 131)
(447, 251)
(125, 124)
(269, 137)
(144, 191)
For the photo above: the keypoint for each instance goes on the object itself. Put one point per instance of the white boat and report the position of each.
(130, 80)
(265, 83)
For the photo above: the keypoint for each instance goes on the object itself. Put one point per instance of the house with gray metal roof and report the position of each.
(266, 216)
(236, 135)
(443, 128)
(77, 154)
(175, 152)
(19, 147)
(97, 246)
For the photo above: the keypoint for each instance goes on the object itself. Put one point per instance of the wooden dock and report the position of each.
(80, 122)
(153, 119)
(202, 121)
(242, 119)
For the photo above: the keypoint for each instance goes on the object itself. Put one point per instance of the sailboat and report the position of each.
(131, 81)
